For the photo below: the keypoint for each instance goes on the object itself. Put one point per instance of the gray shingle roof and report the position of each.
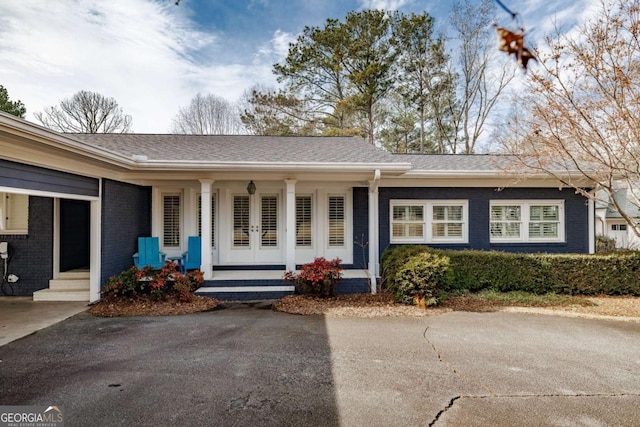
(240, 148)
(457, 162)
(624, 198)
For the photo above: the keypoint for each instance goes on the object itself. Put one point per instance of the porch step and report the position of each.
(258, 285)
(246, 290)
(69, 286)
(61, 295)
(74, 274)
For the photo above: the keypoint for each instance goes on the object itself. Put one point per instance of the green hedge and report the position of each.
(612, 274)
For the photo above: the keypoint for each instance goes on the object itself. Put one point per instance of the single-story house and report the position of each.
(73, 206)
(611, 224)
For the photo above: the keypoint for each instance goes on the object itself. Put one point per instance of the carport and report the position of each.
(54, 231)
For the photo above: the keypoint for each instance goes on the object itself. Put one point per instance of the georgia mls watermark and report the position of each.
(31, 416)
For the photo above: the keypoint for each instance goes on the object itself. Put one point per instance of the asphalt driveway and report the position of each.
(250, 367)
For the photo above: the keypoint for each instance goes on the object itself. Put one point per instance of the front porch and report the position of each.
(249, 285)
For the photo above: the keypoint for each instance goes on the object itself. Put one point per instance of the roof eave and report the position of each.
(155, 165)
(490, 174)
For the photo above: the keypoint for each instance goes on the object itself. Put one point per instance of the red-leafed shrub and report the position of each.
(319, 277)
(156, 284)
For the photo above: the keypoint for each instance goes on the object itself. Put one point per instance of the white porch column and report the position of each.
(95, 250)
(374, 266)
(205, 216)
(290, 224)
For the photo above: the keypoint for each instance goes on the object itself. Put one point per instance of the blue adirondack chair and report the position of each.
(149, 254)
(192, 258)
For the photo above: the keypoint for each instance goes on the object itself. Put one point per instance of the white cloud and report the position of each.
(140, 52)
(384, 4)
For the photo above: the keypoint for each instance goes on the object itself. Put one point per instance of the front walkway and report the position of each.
(21, 316)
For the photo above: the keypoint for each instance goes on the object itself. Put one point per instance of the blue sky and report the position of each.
(153, 56)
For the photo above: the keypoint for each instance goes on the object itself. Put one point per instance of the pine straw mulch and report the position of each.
(120, 307)
(367, 305)
(352, 305)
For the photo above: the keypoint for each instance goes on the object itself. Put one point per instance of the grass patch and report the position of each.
(526, 299)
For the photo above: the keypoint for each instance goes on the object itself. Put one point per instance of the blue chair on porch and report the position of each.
(192, 258)
(149, 254)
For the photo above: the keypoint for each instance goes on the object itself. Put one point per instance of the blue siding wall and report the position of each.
(31, 255)
(126, 215)
(18, 175)
(360, 227)
(576, 216)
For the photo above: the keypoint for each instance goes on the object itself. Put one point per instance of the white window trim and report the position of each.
(427, 206)
(525, 220)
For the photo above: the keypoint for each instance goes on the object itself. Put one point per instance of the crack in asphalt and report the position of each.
(491, 393)
(452, 368)
(451, 402)
(443, 410)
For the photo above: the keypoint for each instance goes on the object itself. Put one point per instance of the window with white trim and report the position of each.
(213, 218)
(171, 219)
(618, 227)
(304, 220)
(337, 222)
(14, 213)
(526, 221)
(429, 221)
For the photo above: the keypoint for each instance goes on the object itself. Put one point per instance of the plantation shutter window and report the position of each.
(526, 221)
(14, 213)
(544, 221)
(336, 220)
(447, 222)
(304, 212)
(269, 221)
(429, 221)
(241, 221)
(505, 222)
(171, 221)
(213, 218)
(408, 222)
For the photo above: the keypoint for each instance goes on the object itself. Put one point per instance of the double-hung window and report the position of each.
(526, 221)
(14, 213)
(429, 221)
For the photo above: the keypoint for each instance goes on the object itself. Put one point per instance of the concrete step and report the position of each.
(69, 284)
(60, 295)
(74, 274)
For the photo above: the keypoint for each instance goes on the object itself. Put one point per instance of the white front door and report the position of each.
(256, 229)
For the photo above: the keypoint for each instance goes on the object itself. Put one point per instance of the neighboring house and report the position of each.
(76, 204)
(610, 223)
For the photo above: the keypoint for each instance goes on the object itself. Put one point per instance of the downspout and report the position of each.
(592, 222)
(373, 230)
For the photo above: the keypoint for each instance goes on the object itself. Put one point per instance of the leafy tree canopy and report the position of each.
(16, 108)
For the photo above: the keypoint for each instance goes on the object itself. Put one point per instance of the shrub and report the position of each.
(393, 259)
(125, 284)
(421, 278)
(156, 284)
(319, 277)
(574, 274)
(605, 244)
